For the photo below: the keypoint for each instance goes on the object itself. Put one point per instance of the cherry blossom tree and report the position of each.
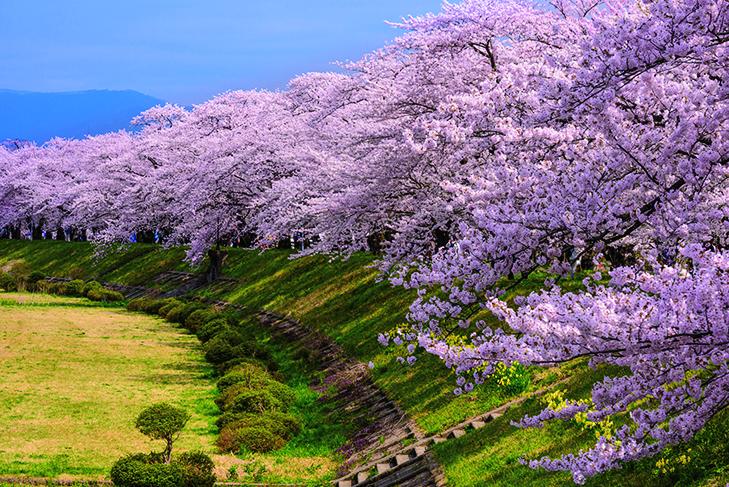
(628, 147)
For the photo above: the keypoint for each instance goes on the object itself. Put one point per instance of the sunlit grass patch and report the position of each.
(73, 378)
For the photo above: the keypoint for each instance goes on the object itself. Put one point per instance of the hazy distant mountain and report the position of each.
(41, 116)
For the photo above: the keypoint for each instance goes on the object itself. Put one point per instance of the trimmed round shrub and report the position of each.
(257, 440)
(34, 279)
(291, 423)
(208, 330)
(231, 337)
(220, 349)
(198, 318)
(57, 288)
(224, 400)
(247, 374)
(105, 295)
(8, 282)
(179, 314)
(152, 306)
(161, 420)
(197, 469)
(228, 366)
(227, 441)
(233, 317)
(165, 308)
(253, 401)
(91, 286)
(174, 313)
(75, 287)
(283, 393)
(142, 470)
(137, 304)
(281, 424)
(226, 418)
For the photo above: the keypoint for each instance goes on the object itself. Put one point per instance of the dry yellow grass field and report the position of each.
(73, 377)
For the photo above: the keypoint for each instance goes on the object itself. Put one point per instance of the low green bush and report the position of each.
(513, 379)
(208, 330)
(105, 295)
(169, 305)
(173, 314)
(283, 393)
(232, 337)
(140, 470)
(36, 276)
(153, 306)
(228, 366)
(257, 440)
(59, 288)
(8, 282)
(226, 418)
(247, 374)
(225, 399)
(138, 304)
(197, 469)
(187, 310)
(254, 401)
(75, 287)
(198, 318)
(91, 286)
(219, 349)
(282, 424)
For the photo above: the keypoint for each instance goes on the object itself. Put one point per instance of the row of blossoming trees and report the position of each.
(488, 141)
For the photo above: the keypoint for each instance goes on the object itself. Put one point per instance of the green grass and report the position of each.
(73, 377)
(344, 300)
(491, 456)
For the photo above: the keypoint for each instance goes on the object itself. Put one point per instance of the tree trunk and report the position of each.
(167, 454)
(217, 259)
(37, 232)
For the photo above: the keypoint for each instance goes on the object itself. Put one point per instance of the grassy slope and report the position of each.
(73, 376)
(345, 301)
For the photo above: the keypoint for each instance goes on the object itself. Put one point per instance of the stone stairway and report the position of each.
(396, 468)
(415, 469)
(386, 426)
(176, 284)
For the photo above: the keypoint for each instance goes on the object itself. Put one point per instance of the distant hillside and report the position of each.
(42, 116)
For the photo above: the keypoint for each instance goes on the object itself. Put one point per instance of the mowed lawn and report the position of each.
(73, 377)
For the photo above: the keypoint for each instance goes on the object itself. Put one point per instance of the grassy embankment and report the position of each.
(345, 301)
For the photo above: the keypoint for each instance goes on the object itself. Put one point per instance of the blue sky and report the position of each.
(185, 51)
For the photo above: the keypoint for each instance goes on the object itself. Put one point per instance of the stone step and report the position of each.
(456, 433)
(400, 459)
(415, 473)
(478, 424)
